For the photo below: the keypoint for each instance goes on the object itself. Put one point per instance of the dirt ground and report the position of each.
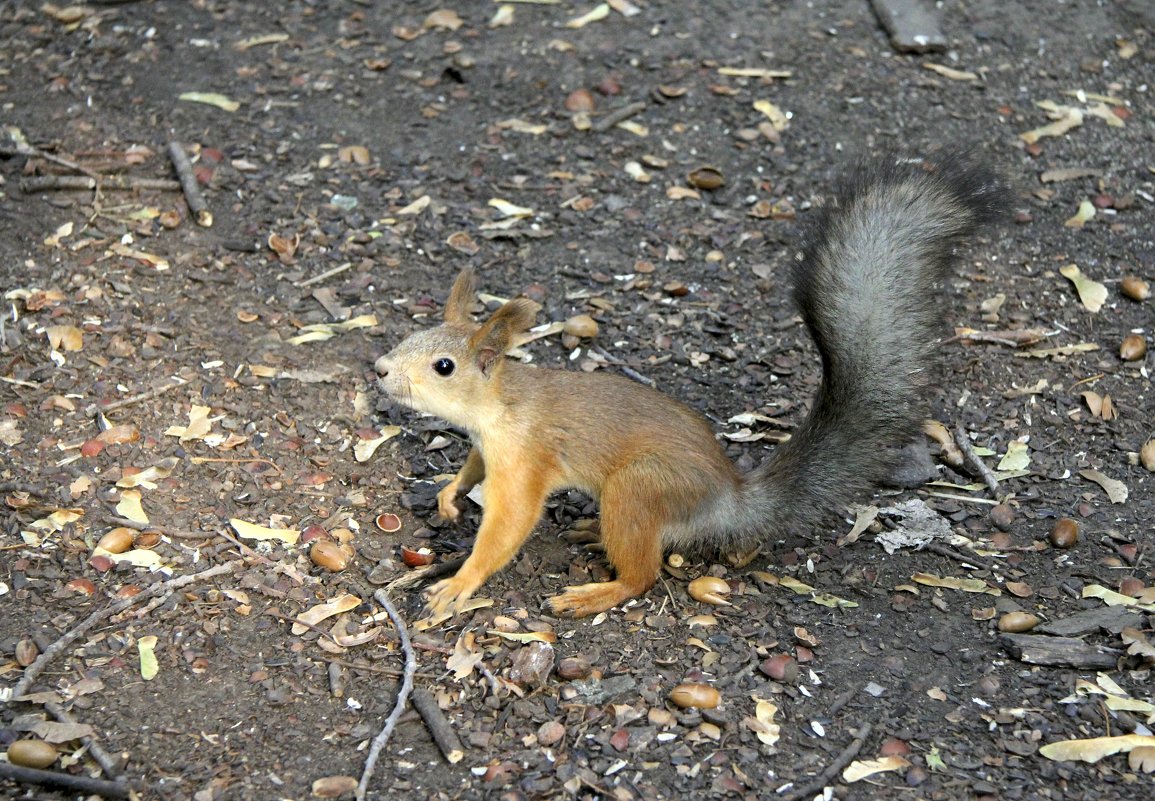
(349, 153)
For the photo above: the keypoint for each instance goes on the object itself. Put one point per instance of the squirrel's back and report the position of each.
(865, 283)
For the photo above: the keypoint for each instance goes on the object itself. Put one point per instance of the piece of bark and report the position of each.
(1037, 649)
(1112, 619)
(912, 26)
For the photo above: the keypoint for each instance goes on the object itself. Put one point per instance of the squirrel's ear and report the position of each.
(497, 334)
(461, 297)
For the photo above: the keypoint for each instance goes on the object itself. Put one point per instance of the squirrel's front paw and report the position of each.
(447, 503)
(447, 596)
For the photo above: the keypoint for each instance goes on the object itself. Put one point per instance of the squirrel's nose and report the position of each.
(382, 366)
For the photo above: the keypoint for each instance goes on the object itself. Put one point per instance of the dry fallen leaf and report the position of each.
(1085, 213)
(1017, 457)
(1116, 490)
(212, 99)
(129, 507)
(252, 531)
(1095, 748)
(65, 337)
(598, 12)
(762, 724)
(1068, 118)
(1092, 294)
(778, 118)
(525, 636)
(953, 583)
(860, 769)
(149, 666)
(198, 426)
(316, 614)
(953, 74)
(364, 449)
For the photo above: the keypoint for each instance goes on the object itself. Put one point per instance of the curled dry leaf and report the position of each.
(861, 769)
(762, 724)
(129, 506)
(1095, 748)
(252, 531)
(315, 615)
(65, 337)
(1081, 217)
(598, 12)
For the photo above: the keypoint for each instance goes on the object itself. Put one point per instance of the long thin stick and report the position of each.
(847, 756)
(52, 183)
(439, 726)
(402, 695)
(66, 781)
(973, 461)
(36, 668)
(188, 184)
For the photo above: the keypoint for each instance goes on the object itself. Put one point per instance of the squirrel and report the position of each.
(865, 283)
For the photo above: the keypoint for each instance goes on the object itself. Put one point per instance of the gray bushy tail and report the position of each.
(866, 283)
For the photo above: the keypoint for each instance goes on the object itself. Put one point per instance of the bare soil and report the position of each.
(368, 139)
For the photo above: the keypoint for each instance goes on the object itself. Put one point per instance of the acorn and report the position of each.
(329, 555)
(581, 325)
(693, 695)
(1017, 622)
(32, 753)
(1065, 533)
(1132, 348)
(118, 540)
(1135, 288)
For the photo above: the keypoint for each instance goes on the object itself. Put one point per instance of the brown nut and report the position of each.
(1017, 621)
(574, 667)
(581, 325)
(1134, 287)
(118, 540)
(708, 178)
(26, 652)
(710, 590)
(32, 753)
(329, 555)
(1132, 348)
(1003, 516)
(1147, 455)
(1065, 533)
(695, 696)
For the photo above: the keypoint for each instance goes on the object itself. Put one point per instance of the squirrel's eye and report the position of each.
(444, 367)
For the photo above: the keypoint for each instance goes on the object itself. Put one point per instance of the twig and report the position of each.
(951, 553)
(415, 577)
(188, 184)
(841, 701)
(52, 183)
(614, 117)
(142, 396)
(102, 757)
(66, 781)
(845, 758)
(36, 668)
(974, 462)
(388, 671)
(316, 279)
(438, 726)
(176, 533)
(382, 738)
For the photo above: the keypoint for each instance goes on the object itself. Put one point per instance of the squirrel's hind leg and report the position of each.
(631, 529)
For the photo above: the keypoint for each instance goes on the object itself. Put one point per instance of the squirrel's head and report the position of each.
(450, 370)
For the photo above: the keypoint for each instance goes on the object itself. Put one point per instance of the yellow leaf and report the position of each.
(507, 209)
(364, 449)
(953, 74)
(315, 615)
(1017, 457)
(598, 12)
(130, 507)
(1095, 748)
(1116, 490)
(1142, 758)
(1092, 294)
(525, 636)
(860, 769)
(252, 531)
(65, 337)
(212, 99)
(953, 583)
(146, 477)
(762, 724)
(198, 426)
(149, 666)
(138, 557)
(778, 119)
(1085, 212)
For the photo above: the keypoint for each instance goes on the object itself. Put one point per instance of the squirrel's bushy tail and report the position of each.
(866, 285)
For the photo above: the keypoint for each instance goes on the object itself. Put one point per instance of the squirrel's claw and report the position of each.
(446, 597)
(447, 503)
(589, 599)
